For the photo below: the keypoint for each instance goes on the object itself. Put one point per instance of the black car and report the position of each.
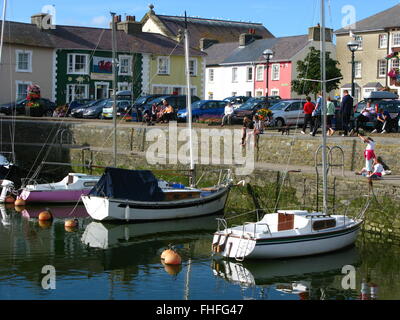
(47, 107)
(78, 111)
(249, 108)
(79, 103)
(95, 111)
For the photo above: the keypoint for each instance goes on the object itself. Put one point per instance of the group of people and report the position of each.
(159, 113)
(313, 114)
(61, 111)
(374, 168)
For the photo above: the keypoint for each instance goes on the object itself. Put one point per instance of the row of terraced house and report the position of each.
(226, 57)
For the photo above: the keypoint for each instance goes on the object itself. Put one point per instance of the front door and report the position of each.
(102, 90)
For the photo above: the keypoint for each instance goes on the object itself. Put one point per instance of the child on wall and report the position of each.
(369, 153)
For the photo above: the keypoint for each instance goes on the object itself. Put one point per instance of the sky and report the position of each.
(282, 17)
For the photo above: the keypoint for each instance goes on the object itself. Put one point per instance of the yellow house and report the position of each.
(377, 36)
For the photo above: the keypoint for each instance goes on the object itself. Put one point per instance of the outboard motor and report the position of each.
(6, 186)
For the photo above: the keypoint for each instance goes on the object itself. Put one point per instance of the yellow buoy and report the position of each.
(19, 202)
(71, 223)
(172, 258)
(45, 216)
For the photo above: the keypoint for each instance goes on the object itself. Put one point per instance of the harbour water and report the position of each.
(122, 261)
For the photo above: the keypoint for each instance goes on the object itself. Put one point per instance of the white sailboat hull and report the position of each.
(104, 209)
(286, 247)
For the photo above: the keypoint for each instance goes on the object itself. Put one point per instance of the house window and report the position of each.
(383, 41)
(357, 66)
(248, 93)
(359, 39)
(193, 67)
(249, 74)
(395, 63)
(211, 75)
(77, 91)
(234, 74)
(78, 63)
(234, 94)
(123, 86)
(158, 89)
(275, 92)
(21, 89)
(259, 93)
(382, 68)
(210, 96)
(125, 65)
(276, 70)
(396, 39)
(260, 73)
(163, 65)
(24, 61)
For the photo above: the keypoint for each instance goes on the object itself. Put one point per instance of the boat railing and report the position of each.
(221, 221)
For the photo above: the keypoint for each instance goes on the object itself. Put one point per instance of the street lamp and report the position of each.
(268, 54)
(353, 47)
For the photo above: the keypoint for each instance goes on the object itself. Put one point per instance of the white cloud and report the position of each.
(100, 21)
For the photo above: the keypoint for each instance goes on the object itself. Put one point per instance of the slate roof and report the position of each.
(380, 21)
(230, 53)
(221, 30)
(86, 38)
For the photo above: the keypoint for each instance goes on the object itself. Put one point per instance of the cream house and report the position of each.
(28, 56)
(378, 36)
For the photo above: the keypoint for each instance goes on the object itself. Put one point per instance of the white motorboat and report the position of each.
(136, 195)
(293, 233)
(68, 190)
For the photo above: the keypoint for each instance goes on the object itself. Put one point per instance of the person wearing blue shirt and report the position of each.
(383, 122)
(316, 115)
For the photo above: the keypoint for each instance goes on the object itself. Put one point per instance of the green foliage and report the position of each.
(310, 68)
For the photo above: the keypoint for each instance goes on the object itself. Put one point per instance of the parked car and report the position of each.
(78, 112)
(249, 108)
(237, 101)
(389, 105)
(47, 107)
(177, 101)
(95, 111)
(202, 108)
(288, 113)
(123, 107)
(79, 103)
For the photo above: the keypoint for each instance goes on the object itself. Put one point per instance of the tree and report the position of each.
(310, 68)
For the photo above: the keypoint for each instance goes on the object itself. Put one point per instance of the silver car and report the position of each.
(288, 113)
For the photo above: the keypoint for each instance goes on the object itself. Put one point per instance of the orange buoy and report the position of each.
(45, 216)
(19, 209)
(70, 229)
(45, 224)
(166, 252)
(71, 223)
(10, 199)
(172, 258)
(173, 270)
(19, 202)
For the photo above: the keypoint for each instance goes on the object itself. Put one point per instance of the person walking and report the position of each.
(317, 115)
(330, 113)
(308, 110)
(346, 110)
(228, 113)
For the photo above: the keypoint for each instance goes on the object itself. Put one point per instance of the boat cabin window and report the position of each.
(90, 184)
(324, 224)
(70, 179)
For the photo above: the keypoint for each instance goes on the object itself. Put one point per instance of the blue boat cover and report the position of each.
(135, 185)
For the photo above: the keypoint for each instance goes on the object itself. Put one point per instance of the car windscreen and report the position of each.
(196, 105)
(391, 107)
(249, 104)
(156, 100)
(141, 100)
(280, 106)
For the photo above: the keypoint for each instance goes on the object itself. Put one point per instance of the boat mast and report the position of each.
(114, 69)
(189, 101)
(323, 108)
(2, 28)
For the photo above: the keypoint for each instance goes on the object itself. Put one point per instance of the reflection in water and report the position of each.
(308, 277)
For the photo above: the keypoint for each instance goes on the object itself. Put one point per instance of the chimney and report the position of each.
(246, 38)
(37, 19)
(314, 33)
(130, 25)
(206, 43)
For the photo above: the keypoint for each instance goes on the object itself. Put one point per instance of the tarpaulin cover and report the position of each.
(135, 185)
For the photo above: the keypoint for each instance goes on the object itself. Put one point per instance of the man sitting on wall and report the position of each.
(168, 113)
(228, 113)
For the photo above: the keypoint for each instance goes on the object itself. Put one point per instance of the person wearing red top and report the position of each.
(308, 109)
